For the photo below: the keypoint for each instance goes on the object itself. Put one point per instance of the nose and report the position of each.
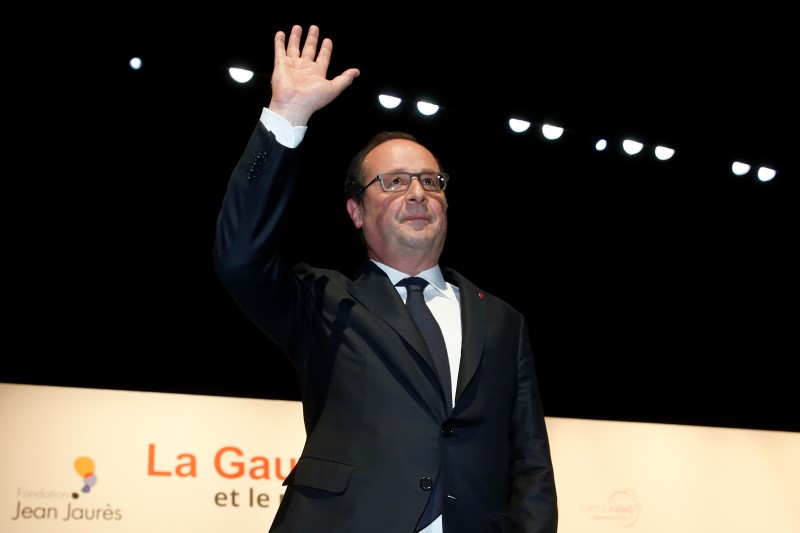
(415, 190)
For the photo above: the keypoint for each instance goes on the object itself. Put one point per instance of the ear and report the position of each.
(354, 210)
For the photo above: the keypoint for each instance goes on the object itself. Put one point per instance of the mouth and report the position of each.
(417, 223)
(417, 218)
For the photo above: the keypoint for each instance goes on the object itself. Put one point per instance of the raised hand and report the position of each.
(299, 77)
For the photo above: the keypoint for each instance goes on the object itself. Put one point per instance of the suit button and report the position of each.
(426, 483)
(447, 430)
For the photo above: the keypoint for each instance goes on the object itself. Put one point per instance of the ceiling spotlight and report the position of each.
(765, 174)
(389, 102)
(427, 108)
(551, 132)
(663, 153)
(631, 147)
(600, 145)
(135, 63)
(241, 75)
(740, 169)
(518, 125)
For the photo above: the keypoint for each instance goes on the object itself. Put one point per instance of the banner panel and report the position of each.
(120, 461)
(660, 478)
(100, 460)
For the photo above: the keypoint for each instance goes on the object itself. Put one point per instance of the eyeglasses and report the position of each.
(401, 181)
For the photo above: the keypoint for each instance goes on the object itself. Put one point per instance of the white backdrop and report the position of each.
(100, 460)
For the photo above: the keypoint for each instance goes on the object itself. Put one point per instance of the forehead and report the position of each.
(399, 154)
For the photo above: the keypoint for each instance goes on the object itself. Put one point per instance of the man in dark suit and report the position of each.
(391, 446)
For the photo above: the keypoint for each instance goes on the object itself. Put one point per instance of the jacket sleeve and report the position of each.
(250, 231)
(533, 491)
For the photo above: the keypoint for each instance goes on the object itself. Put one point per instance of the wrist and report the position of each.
(295, 115)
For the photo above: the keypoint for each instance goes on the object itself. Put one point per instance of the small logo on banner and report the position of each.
(37, 505)
(84, 466)
(622, 509)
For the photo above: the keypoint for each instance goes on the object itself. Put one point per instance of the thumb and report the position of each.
(345, 79)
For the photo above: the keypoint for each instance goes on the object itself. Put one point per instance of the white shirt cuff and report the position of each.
(286, 134)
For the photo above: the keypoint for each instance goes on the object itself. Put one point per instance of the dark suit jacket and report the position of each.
(377, 428)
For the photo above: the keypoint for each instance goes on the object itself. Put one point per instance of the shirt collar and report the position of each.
(433, 276)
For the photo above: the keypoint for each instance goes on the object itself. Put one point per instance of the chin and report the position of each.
(419, 240)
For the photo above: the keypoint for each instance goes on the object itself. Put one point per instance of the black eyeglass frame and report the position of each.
(443, 177)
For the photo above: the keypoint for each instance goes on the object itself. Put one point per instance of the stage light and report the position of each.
(426, 108)
(552, 132)
(389, 102)
(241, 75)
(740, 169)
(518, 125)
(632, 147)
(663, 153)
(765, 174)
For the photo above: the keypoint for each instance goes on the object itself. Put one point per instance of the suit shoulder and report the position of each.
(307, 272)
(468, 288)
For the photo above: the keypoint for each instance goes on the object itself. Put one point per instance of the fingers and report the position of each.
(293, 48)
(309, 52)
(280, 44)
(324, 56)
(310, 48)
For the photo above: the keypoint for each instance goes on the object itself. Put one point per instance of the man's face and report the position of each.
(401, 225)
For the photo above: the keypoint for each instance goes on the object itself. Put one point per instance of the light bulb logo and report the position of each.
(84, 466)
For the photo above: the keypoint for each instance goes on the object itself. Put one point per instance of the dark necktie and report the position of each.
(429, 327)
(415, 302)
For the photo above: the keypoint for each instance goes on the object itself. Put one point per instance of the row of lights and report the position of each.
(549, 131)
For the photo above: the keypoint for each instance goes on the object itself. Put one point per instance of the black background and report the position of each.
(655, 291)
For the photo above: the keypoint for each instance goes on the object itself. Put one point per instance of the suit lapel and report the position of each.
(375, 292)
(473, 328)
(372, 288)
